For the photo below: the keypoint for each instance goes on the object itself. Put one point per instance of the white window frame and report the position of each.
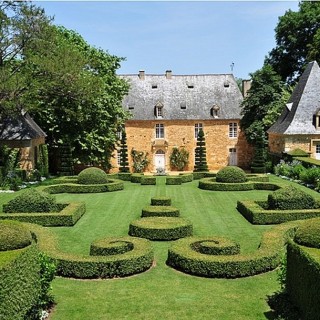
(233, 130)
(197, 128)
(159, 131)
(118, 157)
(159, 112)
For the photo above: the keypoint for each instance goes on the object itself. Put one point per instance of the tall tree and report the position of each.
(297, 41)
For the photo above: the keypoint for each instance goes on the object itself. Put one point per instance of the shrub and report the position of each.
(111, 246)
(215, 246)
(231, 174)
(92, 176)
(13, 235)
(186, 177)
(290, 198)
(179, 158)
(136, 177)
(148, 180)
(173, 180)
(161, 201)
(125, 176)
(310, 175)
(31, 200)
(308, 234)
(161, 228)
(160, 211)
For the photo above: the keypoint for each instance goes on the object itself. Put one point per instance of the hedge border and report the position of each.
(161, 201)
(186, 177)
(132, 262)
(136, 177)
(67, 217)
(113, 185)
(160, 211)
(256, 214)
(111, 246)
(148, 180)
(173, 180)
(161, 228)
(267, 257)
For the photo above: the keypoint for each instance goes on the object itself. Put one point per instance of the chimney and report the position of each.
(246, 85)
(169, 74)
(141, 74)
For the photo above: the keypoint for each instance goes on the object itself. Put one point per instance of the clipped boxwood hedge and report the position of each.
(132, 262)
(13, 235)
(161, 228)
(231, 174)
(125, 176)
(186, 177)
(92, 176)
(68, 216)
(173, 180)
(256, 213)
(215, 246)
(161, 201)
(112, 185)
(308, 234)
(160, 211)
(136, 177)
(111, 246)
(181, 256)
(20, 285)
(148, 180)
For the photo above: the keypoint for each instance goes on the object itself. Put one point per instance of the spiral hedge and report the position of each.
(137, 260)
(160, 211)
(183, 257)
(161, 228)
(215, 246)
(111, 246)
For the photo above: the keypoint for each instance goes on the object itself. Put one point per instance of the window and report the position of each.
(316, 119)
(158, 110)
(159, 131)
(118, 157)
(154, 86)
(233, 130)
(197, 128)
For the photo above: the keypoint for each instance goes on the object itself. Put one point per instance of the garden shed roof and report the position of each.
(183, 97)
(297, 115)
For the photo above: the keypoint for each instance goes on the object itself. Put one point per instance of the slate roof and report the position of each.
(297, 115)
(184, 97)
(22, 127)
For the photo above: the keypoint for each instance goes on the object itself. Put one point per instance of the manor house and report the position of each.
(169, 110)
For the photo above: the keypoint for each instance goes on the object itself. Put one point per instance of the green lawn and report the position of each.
(162, 292)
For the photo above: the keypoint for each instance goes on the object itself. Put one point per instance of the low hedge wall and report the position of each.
(201, 175)
(160, 211)
(161, 201)
(211, 184)
(215, 246)
(19, 282)
(161, 228)
(258, 177)
(181, 256)
(132, 262)
(125, 176)
(303, 279)
(113, 185)
(255, 213)
(186, 177)
(173, 180)
(111, 246)
(148, 180)
(136, 177)
(68, 216)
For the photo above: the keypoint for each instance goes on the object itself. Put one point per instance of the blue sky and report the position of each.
(187, 37)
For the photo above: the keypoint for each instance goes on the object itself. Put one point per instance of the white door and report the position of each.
(233, 160)
(318, 151)
(159, 160)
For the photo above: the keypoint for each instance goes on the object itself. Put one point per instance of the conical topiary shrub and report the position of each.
(124, 163)
(200, 154)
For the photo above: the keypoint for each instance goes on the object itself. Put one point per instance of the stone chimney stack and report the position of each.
(246, 85)
(169, 74)
(141, 74)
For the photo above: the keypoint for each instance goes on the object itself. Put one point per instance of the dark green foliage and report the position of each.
(258, 164)
(112, 185)
(308, 234)
(173, 180)
(20, 284)
(200, 154)
(257, 213)
(211, 184)
(310, 175)
(148, 180)
(136, 177)
(308, 162)
(42, 164)
(125, 176)
(215, 246)
(182, 256)
(13, 236)
(201, 175)
(290, 198)
(124, 164)
(65, 167)
(111, 246)
(31, 200)
(92, 176)
(161, 228)
(140, 160)
(186, 177)
(160, 201)
(179, 158)
(303, 279)
(67, 215)
(231, 174)
(160, 211)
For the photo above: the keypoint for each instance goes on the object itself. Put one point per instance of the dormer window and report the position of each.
(183, 105)
(316, 119)
(154, 86)
(190, 86)
(158, 110)
(214, 111)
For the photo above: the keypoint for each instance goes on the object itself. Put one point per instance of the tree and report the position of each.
(124, 153)
(297, 41)
(259, 164)
(200, 153)
(264, 102)
(179, 158)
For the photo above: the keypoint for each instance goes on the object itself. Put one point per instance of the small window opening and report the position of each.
(131, 107)
(183, 105)
(226, 84)
(190, 86)
(154, 86)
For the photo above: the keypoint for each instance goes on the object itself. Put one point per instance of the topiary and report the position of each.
(308, 234)
(290, 198)
(13, 236)
(231, 174)
(31, 200)
(92, 175)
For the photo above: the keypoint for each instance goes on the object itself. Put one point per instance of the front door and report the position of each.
(159, 160)
(233, 161)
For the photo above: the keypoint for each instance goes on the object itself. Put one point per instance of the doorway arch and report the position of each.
(160, 159)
